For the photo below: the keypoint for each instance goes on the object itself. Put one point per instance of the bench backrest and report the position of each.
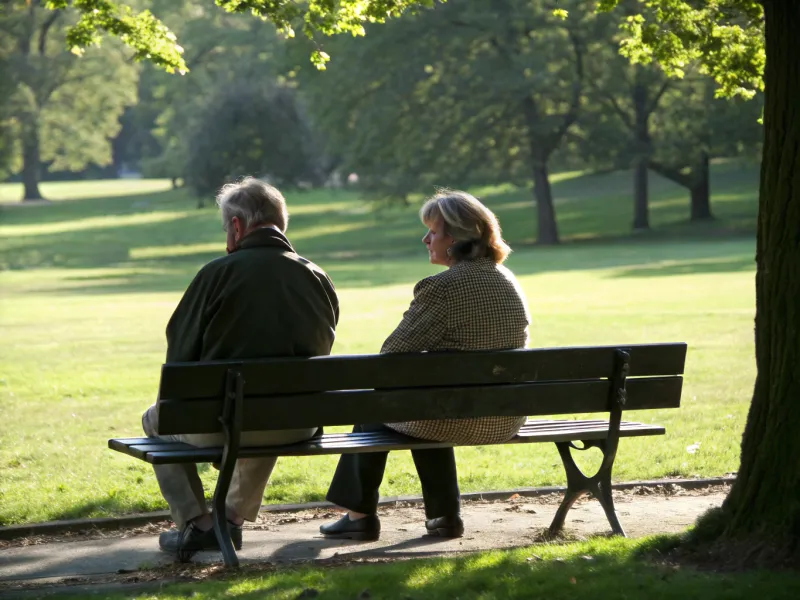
(287, 393)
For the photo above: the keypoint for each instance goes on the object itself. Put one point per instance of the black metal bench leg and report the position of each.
(232, 428)
(599, 485)
(221, 529)
(603, 494)
(576, 487)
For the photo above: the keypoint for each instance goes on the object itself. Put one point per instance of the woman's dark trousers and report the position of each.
(358, 477)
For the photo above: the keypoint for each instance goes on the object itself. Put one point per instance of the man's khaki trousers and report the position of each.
(181, 486)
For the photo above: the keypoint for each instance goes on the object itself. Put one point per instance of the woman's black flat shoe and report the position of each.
(446, 527)
(365, 529)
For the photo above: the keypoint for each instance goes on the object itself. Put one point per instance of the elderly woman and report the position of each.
(476, 304)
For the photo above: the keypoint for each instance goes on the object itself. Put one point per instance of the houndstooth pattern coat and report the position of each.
(474, 305)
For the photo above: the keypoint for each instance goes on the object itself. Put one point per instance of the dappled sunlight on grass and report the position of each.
(81, 225)
(328, 229)
(306, 204)
(72, 190)
(101, 355)
(181, 250)
(90, 284)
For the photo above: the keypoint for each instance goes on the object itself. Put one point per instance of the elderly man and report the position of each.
(260, 300)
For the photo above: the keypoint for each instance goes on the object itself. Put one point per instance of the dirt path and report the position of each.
(131, 556)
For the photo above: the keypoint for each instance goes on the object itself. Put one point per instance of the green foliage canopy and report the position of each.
(151, 39)
(726, 38)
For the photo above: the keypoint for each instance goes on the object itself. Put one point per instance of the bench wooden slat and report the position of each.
(305, 375)
(540, 426)
(157, 451)
(386, 406)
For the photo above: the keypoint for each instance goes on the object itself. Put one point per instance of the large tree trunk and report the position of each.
(641, 218)
(31, 160)
(541, 149)
(763, 509)
(701, 192)
(547, 229)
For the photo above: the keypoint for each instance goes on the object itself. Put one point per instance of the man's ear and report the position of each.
(237, 227)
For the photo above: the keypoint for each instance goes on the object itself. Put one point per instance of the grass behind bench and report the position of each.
(90, 283)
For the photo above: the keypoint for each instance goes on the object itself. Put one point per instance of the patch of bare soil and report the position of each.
(87, 534)
(267, 519)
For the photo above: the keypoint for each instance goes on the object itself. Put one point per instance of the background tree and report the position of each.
(195, 127)
(250, 129)
(8, 137)
(622, 99)
(637, 117)
(488, 94)
(65, 109)
(692, 128)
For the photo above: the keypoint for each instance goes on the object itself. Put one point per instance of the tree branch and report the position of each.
(612, 102)
(45, 29)
(26, 36)
(653, 104)
(464, 24)
(577, 88)
(672, 174)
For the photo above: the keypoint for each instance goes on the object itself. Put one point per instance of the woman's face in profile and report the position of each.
(437, 242)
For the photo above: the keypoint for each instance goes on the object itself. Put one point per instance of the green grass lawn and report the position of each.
(87, 285)
(600, 568)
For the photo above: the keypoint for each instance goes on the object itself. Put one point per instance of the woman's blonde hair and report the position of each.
(474, 227)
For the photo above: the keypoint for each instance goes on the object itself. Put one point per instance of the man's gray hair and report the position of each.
(254, 202)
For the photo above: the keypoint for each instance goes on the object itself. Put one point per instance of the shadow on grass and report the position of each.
(597, 569)
(86, 208)
(723, 265)
(369, 248)
(312, 549)
(626, 260)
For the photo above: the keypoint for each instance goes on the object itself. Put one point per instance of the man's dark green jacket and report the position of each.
(261, 300)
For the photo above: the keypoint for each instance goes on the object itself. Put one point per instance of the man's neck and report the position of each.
(263, 226)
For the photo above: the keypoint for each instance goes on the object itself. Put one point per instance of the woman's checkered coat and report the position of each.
(474, 305)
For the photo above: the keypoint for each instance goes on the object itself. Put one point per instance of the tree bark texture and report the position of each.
(541, 147)
(547, 229)
(701, 192)
(641, 218)
(763, 508)
(31, 159)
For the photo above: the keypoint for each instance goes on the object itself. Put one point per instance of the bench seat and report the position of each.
(158, 452)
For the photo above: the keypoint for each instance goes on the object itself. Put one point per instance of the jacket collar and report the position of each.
(265, 237)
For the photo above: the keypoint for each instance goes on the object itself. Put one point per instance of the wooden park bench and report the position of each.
(289, 393)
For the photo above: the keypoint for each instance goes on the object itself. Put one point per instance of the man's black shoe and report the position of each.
(187, 542)
(365, 529)
(446, 527)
